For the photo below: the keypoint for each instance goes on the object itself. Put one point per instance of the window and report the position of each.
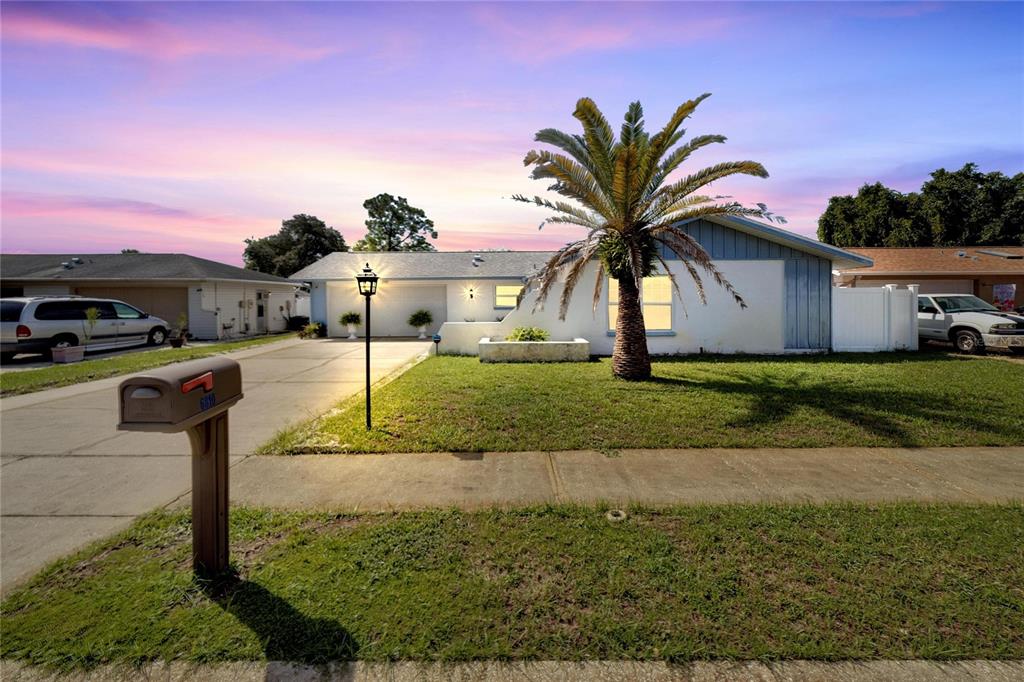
(655, 299)
(10, 311)
(505, 295)
(60, 310)
(923, 303)
(126, 312)
(959, 304)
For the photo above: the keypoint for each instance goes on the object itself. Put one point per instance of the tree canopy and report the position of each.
(302, 240)
(954, 208)
(394, 225)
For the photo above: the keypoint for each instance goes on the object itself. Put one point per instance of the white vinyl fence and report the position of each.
(874, 318)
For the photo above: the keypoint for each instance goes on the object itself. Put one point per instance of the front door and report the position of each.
(261, 311)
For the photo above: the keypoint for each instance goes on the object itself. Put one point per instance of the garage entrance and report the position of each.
(392, 306)
(163, 302)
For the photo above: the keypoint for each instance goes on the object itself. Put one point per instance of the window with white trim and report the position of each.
(505, 295)
(655, 300)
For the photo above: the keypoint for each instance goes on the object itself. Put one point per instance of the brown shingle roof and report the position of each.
(942, 260)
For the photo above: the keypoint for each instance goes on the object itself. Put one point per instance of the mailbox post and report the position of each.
(195, 397)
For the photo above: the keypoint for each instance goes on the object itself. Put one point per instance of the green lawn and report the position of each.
(31, 380)
(459, 404)
(735, 582)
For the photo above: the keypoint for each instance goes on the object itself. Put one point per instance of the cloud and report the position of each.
(115, 28)
(536, 33)
(22, 210)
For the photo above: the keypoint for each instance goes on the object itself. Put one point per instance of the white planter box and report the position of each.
(577, 350)
(68, 354)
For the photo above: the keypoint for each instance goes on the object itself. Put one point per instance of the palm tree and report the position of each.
(621, 196)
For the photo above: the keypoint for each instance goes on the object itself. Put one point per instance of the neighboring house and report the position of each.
(974, 270)
(221, 301)
(784, 278)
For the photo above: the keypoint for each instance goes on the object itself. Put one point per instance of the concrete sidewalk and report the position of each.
(656, 477)
(69, 476)
(545, 671)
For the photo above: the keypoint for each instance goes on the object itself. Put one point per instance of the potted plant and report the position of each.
(178, 340)
(420, 319)
(351, 320)
(68, 354)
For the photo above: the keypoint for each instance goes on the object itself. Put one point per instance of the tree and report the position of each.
(394, 225)
(129, 250)
(958, 208)
(302, 240)
(620, 194)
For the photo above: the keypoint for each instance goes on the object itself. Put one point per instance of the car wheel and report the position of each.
(969, 342)
(157, 336)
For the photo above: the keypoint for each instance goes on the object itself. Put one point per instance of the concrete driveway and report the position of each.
(68, 477)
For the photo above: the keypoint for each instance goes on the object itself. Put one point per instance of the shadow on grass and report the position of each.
(285, 633)
(883, 413)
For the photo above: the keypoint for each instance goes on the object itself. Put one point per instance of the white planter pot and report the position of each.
(423, 332)
(68, 354)
(351, 331)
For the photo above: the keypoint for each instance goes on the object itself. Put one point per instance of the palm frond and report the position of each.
(632, 124)
(691, 183)
(598, 136)
(572, 276)
(682, 243)
(598, 285)
(672, 279)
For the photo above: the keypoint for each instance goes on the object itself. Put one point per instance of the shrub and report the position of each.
(295, 323)
(310, 330)
(527, 334)
(351, 318)
(421, 318)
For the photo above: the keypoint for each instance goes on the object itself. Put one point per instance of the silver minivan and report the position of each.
(37, 324)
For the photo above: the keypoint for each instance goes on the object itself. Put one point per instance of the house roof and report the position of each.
(427, 264)
(841, 258)
(972, 260)
(120, 266)
(520, 264)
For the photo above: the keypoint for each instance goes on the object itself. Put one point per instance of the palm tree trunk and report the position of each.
(630, 359)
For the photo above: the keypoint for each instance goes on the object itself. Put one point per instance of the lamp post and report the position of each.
(367, 283)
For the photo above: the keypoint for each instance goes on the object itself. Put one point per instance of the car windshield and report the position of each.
(962, 304)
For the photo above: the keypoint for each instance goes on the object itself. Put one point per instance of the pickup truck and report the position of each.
(969, 322)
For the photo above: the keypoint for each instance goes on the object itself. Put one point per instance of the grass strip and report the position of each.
(826, 582)
(32, 380)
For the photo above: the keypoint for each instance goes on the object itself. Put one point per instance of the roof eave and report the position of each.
(840, 258)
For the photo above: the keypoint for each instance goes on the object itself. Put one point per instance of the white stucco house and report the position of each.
(785, 279)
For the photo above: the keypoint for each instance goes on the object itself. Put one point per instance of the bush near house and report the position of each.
(527, 334)
(421, 318)
(351, 317)
(310, 331)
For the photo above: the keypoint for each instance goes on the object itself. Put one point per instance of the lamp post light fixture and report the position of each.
(367, 283)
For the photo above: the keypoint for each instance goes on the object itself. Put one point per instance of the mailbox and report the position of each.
(193, 397)
(177, 397)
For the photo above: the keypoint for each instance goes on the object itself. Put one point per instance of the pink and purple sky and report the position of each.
(187, 127)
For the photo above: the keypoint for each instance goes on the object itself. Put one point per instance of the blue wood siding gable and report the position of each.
(808, 279)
